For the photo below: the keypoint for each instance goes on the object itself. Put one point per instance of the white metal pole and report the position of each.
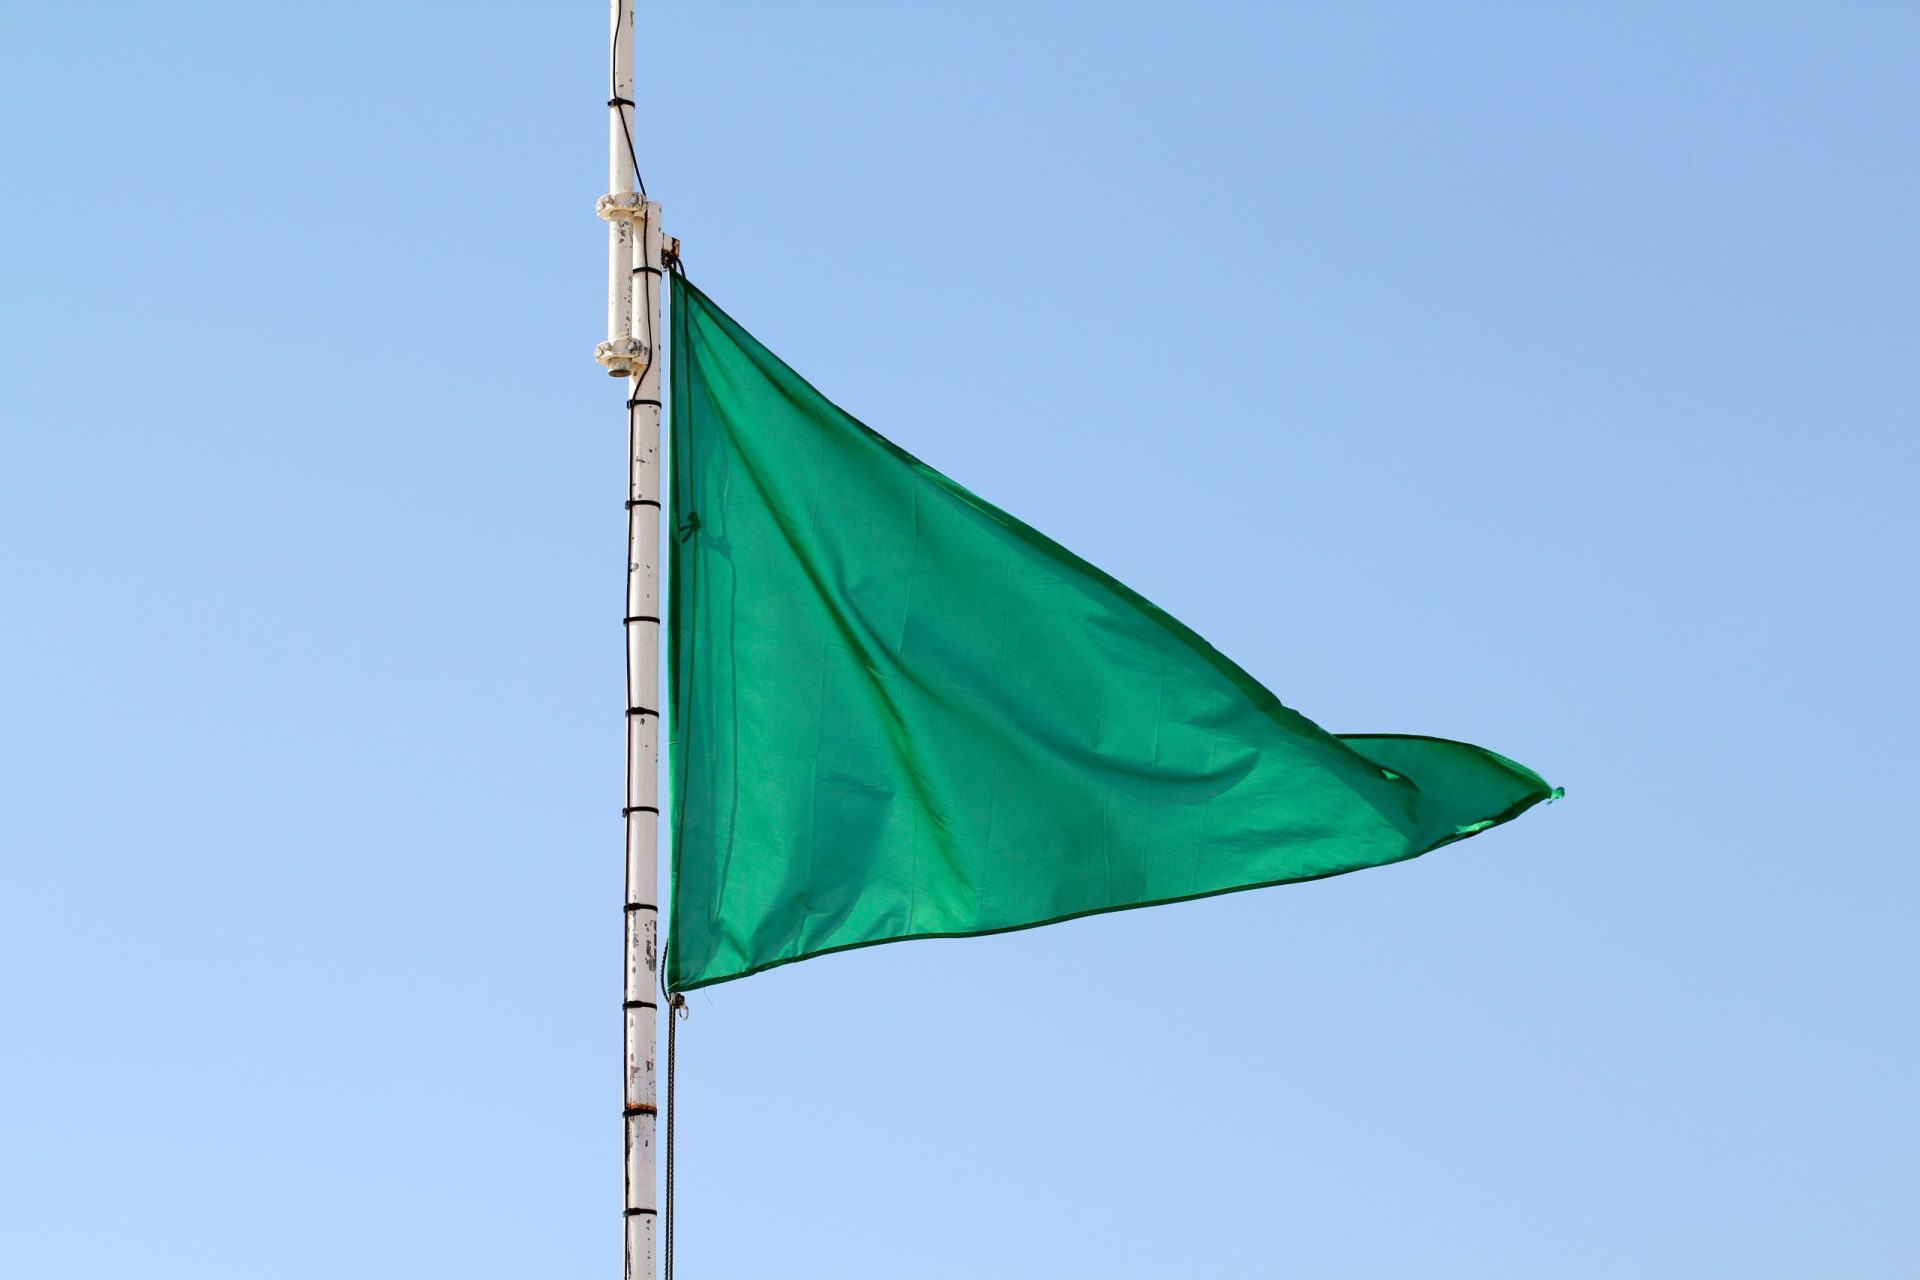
(620, 353)
(643, 749)
(634, 288)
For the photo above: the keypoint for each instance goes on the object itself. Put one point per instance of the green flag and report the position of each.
(897, 712)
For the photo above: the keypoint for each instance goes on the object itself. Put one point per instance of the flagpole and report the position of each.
(634, 288)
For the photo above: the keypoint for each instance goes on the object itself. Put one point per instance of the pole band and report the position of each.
(619, 102)
(641, 906)
(639, 1004)
(636, 402)
(642, 502)
(642, 711)
(637, 617)
(629, 810)
(641, 1109)
(634, 1213)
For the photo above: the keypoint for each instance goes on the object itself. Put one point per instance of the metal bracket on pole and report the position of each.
(621, 204)
(622, 355)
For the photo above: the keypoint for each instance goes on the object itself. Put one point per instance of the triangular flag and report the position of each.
(897, 712)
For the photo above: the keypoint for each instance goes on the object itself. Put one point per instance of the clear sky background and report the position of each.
(1540, 375)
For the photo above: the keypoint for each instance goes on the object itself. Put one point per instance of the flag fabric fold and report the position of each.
(896, 712)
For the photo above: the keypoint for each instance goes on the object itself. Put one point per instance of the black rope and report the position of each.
(623, 24)
(676, 1003)
(676, 1010)
(646, 300)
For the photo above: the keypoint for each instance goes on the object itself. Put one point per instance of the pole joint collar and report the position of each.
(623, 355)
(629, 206)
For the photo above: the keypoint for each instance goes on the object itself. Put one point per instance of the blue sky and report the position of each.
(1543, 376)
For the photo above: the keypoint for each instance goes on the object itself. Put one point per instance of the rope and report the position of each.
(644, 229)
(676, 1010)
(623, 21)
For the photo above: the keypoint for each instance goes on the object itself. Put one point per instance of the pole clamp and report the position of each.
(622, 356)
(628, 205)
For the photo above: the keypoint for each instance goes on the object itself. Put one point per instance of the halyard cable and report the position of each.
(675, 1002)
(676, 1010)
(615, 101)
